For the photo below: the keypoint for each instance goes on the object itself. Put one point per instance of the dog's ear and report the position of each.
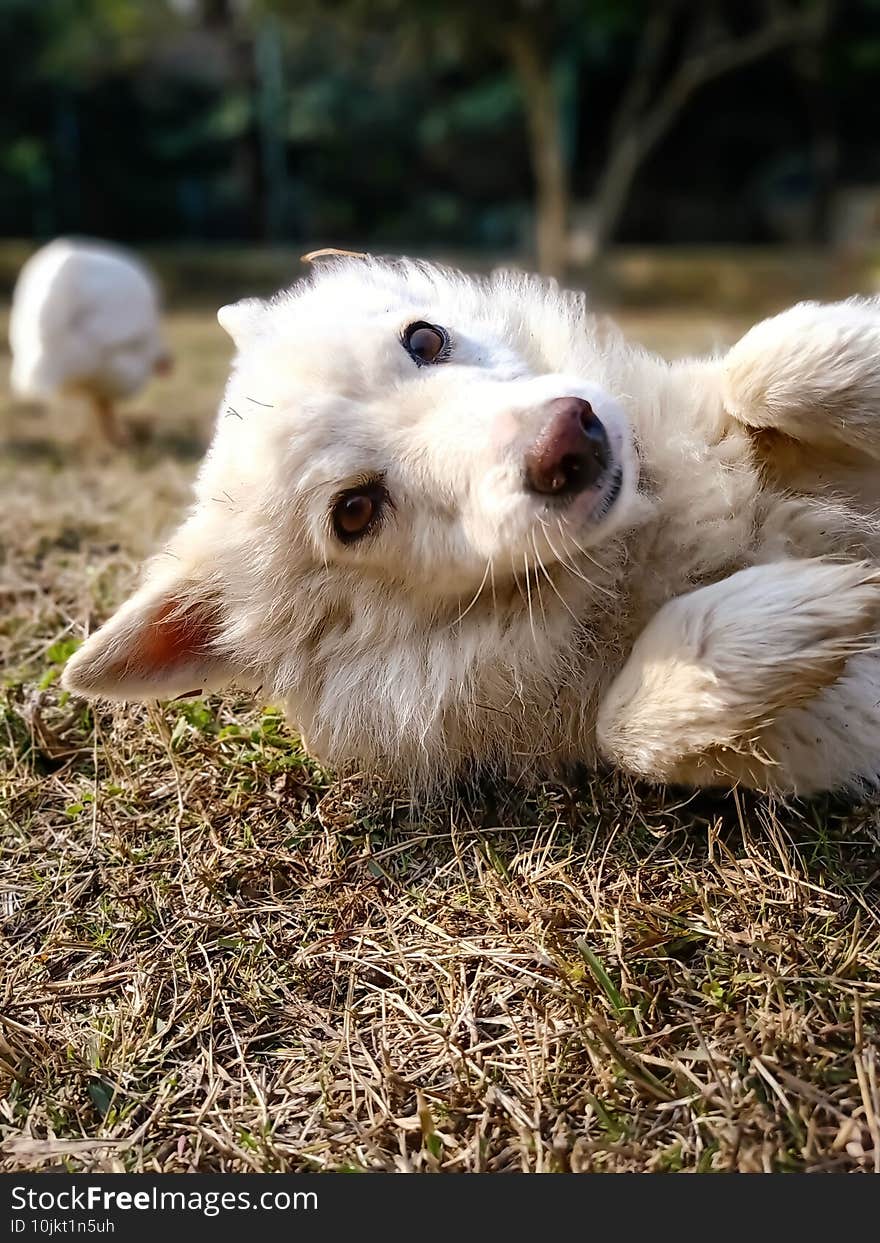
(159, 644)
(241, 319)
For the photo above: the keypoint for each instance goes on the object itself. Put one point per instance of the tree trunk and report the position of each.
(547, 150)
(613, 190)
(643, 122)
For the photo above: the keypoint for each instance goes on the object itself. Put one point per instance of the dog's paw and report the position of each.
(812, 372)
(715, 667)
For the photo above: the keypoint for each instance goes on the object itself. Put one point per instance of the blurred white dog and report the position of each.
(86, 321)
(454, 522)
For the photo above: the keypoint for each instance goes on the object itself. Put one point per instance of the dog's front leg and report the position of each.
(812, 372)
(711, 671)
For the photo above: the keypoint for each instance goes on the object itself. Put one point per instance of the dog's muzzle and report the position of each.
(571, 453)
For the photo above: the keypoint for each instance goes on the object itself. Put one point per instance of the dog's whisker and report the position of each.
(529, 594)
(583, 551)
(540, 599)
(463, 615)
(515, 577)
(604, 591)
(537, 580)
(563, 558)
(570, 564)
(553, 587)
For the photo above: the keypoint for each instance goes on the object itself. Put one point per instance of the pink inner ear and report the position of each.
(171, 638)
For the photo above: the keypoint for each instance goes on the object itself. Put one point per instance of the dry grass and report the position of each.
(216, 958)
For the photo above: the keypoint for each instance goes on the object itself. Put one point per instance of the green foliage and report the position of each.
(375, 120)
(56, 658)
(83, 38)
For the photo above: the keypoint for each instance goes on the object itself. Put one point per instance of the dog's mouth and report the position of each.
(592, 506)
(607, 502)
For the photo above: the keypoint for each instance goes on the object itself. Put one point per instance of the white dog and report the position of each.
(86, 321)
(454, 522)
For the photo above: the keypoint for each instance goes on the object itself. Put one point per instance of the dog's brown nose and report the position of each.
(571, 452)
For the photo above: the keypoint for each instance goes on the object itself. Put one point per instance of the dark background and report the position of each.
(442, 125)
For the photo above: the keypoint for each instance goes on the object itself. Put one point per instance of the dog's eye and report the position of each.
(356, 511)
(426, 343)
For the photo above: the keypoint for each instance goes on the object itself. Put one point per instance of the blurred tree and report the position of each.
(682, 48)
(235, 40)
(253, 54)
(54, 50)
(379, 122)
(538, 37)
(536, 62)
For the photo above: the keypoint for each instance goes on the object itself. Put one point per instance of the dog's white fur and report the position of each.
(716, 625)
(85, 318)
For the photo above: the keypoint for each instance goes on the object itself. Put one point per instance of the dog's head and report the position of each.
(413, 475)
